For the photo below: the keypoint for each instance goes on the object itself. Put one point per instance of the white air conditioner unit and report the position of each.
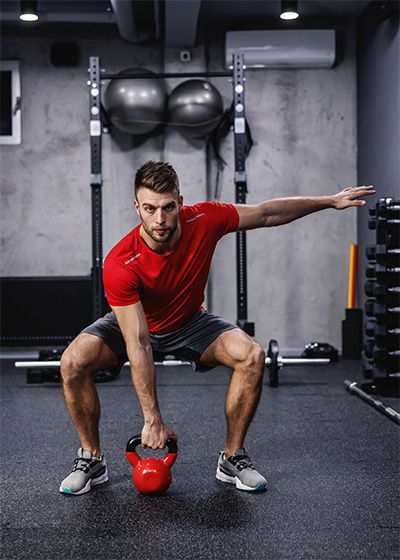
(292, 48)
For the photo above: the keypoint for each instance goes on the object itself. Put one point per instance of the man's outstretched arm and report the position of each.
(280, 211)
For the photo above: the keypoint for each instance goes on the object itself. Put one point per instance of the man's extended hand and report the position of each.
(156, 435)
(350, 196)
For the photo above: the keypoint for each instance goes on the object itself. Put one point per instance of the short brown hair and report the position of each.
(159, 176)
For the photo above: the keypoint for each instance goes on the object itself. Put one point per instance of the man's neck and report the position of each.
(162, 248)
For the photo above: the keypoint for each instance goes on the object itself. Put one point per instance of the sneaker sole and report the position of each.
(91, 482)
(239, 484)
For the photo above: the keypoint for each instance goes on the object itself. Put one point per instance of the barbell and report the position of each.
(274, 362)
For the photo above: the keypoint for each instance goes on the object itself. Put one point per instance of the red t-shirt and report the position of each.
(171, 287)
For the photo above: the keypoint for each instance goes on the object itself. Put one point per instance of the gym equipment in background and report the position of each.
(43, 370)
(96, 77)
(195, 108)
(352, 324)
(386, 410)
(381, 356)
(42, 301)
(136, 106)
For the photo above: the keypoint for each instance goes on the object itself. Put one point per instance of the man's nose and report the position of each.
(160, 216)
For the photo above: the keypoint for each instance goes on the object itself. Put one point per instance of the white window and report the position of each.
(10, 99)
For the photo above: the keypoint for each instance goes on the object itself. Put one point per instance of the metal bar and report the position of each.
(50, 364)
(386, 410)
(302, 361)
(170, 363)
(56, 364)
(224, 73)
(96, 181)
(240, 180)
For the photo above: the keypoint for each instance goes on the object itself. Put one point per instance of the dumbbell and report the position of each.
(370, 272)
(389, 320)
(369, 327)
(367, 368)
(388, 207)
(389, 360)
(388, 276)
(387, 338)
(369, 347)
(388, 257)
(381, 372)
(370, 252)
(383, 255)
(383, 274)
(383, 294)
(369, 307)
(387, 232)
(382, 313)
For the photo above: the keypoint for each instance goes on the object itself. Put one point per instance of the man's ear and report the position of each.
(180, 200)
(136, 205)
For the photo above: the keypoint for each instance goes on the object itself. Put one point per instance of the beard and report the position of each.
(169, 232)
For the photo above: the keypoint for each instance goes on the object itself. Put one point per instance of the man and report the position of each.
(154, 280)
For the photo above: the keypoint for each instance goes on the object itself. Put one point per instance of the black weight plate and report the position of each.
(273, 353)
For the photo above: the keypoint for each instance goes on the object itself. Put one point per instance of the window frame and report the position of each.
(15, 136)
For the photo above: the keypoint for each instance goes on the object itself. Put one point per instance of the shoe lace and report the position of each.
(241, 462)
(82, 464)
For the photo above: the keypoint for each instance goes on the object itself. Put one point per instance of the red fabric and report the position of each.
(171, 288)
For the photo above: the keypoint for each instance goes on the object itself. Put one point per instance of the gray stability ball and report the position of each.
(136, 105)
(195, 108)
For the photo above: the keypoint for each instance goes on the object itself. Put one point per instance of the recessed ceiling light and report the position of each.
(289, 9)
(29, 10)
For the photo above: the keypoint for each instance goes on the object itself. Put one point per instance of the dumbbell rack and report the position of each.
(381, 356)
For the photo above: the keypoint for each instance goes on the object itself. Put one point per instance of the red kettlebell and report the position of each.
(151, 475)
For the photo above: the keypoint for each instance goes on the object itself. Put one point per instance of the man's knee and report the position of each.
(253, 362)
(256, 357)
(81, 358)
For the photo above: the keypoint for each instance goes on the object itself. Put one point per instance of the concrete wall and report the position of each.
(304, 126)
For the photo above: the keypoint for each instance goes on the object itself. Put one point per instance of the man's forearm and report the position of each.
(281, 211)
(144, 380)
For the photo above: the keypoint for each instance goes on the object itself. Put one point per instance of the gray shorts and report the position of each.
(187, 343)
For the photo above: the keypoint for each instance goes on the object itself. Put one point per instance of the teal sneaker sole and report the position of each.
(91, 482)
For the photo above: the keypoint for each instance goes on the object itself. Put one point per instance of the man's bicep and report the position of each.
(132, 322)
(251, 216)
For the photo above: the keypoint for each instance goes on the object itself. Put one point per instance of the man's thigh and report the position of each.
(230, 348)
(107, 329)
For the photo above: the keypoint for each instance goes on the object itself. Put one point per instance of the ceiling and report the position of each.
(184, 23)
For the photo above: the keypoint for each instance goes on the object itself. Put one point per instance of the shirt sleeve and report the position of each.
(224, 217)
(120, 283)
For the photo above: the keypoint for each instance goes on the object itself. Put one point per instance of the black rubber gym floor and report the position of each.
(331, 460)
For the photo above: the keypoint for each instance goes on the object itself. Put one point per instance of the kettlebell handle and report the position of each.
(137, 440)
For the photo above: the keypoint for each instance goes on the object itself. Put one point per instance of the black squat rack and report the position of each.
(236, 76)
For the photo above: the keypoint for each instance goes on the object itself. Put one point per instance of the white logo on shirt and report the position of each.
(132, 259)
(195, 218)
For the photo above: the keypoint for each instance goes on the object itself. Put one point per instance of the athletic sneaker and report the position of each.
(87, 471)
(238, 469)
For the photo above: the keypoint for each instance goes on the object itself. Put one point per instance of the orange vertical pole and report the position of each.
(351, 298)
